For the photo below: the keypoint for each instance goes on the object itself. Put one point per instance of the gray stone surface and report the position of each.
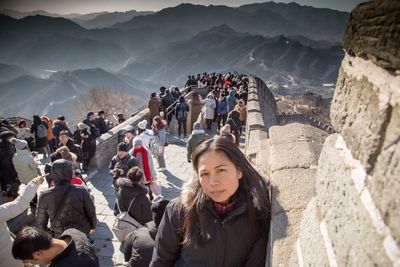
(310, 239)
(384, 183)
(360, 116)
(294, 146)
(292, 189)
(355, 240)
(284, 233)
(374, 30)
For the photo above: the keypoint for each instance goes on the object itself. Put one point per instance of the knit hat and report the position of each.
(90, 113)
(137, 141)
(123, 147)
(129, 128)
(158, 209)
(197, 126)
(19, 144)
(142, 125)
(62, 171)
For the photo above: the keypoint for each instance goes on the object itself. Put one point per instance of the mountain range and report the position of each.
(53, 58)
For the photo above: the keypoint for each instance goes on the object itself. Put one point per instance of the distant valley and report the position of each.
(48, 60)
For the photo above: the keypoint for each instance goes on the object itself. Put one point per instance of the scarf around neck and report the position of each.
(145, 160)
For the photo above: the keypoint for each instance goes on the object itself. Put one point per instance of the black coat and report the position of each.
(8, 175)
(101, 124)
(141, 206)
(57, 128)
(77, 212)
(74, 149)
(138, 247)
(238, 240)
(79, 252)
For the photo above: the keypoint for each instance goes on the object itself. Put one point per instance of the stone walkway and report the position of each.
(172, 180)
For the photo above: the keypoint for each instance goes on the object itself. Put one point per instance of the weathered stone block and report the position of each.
(292, 189)
(359, 112)
(355, 239)
(284, 233)
(374, 30)
(311, 243)
(296, 132)
(384, 184)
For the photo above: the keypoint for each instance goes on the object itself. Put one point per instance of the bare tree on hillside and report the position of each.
(110, 100)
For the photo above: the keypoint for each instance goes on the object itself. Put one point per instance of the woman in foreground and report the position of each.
(222, 216)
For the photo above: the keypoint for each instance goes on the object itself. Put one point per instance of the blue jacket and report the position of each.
(222, 107)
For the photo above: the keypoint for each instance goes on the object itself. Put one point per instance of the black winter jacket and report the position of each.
(77, 212)
(74, 149)
(8, 175)
(238, 240)
(79, 252)
(141, 206)
(101, 124)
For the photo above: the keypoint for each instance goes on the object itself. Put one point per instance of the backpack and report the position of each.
(41, 131)
(124, 224)
(181, 113)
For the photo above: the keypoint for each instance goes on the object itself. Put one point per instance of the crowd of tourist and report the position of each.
(220, 219)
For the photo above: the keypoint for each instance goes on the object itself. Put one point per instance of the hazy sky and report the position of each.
(87, 6)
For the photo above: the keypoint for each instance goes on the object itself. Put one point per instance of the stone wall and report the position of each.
(106, 144)
(353, 218)
(261, 115)
(335, 199)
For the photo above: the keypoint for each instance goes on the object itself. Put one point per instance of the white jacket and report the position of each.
(8, 211)
(146, 137)
(209, 105)
(25, 166)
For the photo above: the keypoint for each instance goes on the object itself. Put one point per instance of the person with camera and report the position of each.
(120, 165)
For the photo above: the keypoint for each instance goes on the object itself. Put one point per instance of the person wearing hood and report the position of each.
(231, 99)
(39, 128)
(24, 164)
(138, 246)
(154, 107)
(8, 175)
(181, 110)
(65, 205)
(166, 101)
(145, 134)
(235, 124)
(60, 125)
(132, 189)
(198, 135)
(88, 133)
(11, 210)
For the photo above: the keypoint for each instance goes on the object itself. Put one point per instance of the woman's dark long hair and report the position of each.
(193, 197)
